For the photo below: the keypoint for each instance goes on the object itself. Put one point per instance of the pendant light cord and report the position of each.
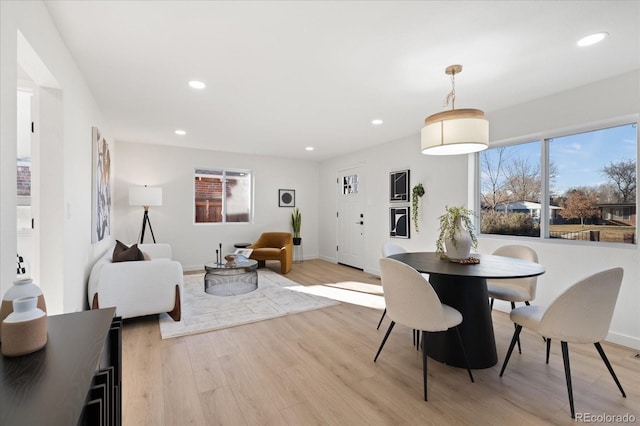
(451, 97)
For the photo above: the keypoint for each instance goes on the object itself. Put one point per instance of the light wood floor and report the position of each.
(316, 368)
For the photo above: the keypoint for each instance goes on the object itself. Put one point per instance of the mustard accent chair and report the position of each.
(274, 246)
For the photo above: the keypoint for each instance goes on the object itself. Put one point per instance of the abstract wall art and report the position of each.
(101, 187)
(286, 198)
(399, 186)
(399, 222)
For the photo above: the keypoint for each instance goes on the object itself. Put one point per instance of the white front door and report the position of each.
(350, 217)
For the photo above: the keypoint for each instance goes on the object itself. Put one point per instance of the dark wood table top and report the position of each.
(490, 266)
(49, 387)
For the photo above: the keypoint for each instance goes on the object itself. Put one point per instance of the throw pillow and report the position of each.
(122, 253)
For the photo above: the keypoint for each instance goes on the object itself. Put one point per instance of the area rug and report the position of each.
(276, 296)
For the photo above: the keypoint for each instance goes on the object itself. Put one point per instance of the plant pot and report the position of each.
(297, 241)
(462, 246)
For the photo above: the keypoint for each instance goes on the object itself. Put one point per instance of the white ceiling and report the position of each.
(289, 74)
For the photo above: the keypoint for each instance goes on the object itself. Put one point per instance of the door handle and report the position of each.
(360, 223)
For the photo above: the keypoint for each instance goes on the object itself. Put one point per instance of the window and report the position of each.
(586, 190)
(350, 184)
(222, 196)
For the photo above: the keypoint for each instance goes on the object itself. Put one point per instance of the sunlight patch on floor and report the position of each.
(355, 293)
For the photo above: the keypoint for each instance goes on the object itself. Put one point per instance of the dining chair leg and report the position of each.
(464, 354)
(424, 362)
(418, 339)
(381, 318)
(606, 362)
(513, 306)
(511, 346)
(567, 374)
(548, 349)
(384, 340)
(491, 303)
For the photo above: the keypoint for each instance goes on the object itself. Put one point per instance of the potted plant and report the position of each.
(416, 194)
(296, 224)
(457, 233)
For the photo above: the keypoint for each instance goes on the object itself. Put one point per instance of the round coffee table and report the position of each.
(230, 279)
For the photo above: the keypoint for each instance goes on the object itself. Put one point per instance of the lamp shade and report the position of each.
(459, 131)
(145, 196)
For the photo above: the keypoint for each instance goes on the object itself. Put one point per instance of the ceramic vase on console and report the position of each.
(21, 288)
(462, 247)
(25, 329)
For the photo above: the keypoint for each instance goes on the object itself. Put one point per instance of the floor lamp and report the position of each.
(145, 196)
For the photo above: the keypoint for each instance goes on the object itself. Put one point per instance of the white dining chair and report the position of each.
(516, 289)
(412, 301)
(387, 250)
(581, 314)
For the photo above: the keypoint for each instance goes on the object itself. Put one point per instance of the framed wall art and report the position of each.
(399, 186)
(399, 222)
(286, 198)
(101, 187)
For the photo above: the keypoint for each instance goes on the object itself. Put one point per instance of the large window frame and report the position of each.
(217, 203)
(544, 138)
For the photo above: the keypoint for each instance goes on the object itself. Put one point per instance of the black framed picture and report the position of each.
(399, 222)
(399, 186)
(286, 198)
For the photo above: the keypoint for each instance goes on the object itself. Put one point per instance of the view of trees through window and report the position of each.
(592, 187)
(222, 196)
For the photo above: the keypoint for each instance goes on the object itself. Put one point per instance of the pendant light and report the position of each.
(457, 131)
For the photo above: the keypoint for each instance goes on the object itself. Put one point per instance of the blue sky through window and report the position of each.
(579, 159)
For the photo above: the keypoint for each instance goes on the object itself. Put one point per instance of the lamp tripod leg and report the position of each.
(145, 217)
(145, 220)
(151, 229)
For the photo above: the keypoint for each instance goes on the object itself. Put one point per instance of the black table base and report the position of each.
(469, 296)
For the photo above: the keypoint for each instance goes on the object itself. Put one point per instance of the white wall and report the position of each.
(193, 245)
(67, 253)
(448, 181)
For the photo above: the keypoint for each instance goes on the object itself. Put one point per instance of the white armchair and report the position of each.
(138, 288)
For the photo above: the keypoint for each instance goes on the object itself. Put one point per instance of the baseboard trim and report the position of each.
(623, 340)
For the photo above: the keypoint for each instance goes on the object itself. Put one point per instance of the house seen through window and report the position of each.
(222, 196)
(586, 190)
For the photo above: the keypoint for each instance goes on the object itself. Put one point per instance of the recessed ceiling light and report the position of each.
(592, 39)
(197, 84)
(376, 122)
(309, 148)
(180, 132)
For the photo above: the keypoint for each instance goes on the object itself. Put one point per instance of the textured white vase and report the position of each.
(462, 248)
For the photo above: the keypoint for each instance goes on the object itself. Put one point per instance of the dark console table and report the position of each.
(75, 379)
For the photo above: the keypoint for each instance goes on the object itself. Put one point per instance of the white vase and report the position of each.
(462, 247)
(20, 288)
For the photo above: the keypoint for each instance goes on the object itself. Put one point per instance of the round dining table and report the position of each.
(464, 287)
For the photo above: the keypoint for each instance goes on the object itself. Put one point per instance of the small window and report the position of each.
(222, 196)
(350, 184)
